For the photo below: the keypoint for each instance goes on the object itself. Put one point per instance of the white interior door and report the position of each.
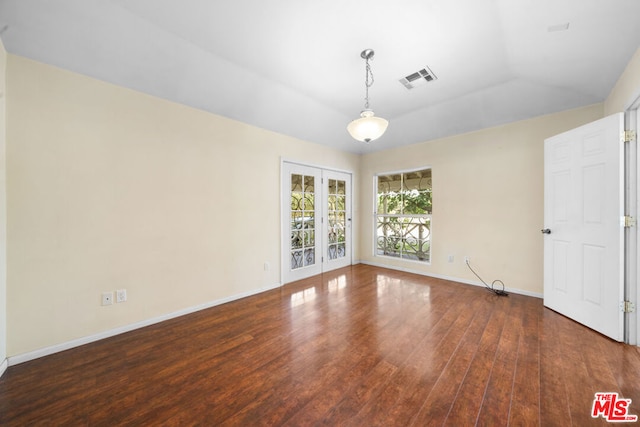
(316, 221)
(583, 208)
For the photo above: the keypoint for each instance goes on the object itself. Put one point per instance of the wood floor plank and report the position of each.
(414, 380)
(346, 395)
(357, 346)
(440, 400)
(554, 400)
(580, 388)
(525, 399)
(624, 365)
(496, 403)
(468, 401)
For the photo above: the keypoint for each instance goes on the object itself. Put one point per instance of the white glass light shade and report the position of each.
(368, 127)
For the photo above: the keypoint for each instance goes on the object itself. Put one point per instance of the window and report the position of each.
(403, 215)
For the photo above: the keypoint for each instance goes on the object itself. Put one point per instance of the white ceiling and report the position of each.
(294, 66)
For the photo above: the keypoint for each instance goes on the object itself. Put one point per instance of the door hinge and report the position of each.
(629, 135)
(627, 307)
(629, 221)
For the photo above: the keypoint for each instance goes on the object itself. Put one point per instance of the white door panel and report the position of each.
(337, 220)
(301, 199)
(584, 201)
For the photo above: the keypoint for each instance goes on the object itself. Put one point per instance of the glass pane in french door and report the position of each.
(337, 219)
(302, 248)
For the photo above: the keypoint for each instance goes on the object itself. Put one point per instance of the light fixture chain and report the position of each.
(368, 82)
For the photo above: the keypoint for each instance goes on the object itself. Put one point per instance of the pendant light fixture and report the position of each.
(368, 127)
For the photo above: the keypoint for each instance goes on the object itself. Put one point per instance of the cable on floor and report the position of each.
(500, 292)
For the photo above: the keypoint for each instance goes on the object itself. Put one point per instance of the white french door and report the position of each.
(301, 221)
(337, 219)
(316, 221)
(584, 237)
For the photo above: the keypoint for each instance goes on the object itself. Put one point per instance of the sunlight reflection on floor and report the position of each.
(402, 288)
(303, 296)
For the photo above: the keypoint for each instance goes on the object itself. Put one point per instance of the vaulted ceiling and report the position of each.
(294, 66)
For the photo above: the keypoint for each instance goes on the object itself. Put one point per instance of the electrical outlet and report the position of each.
(107, 298)
(450, 258)
(121, 295)
(467, 259)
(267, 266)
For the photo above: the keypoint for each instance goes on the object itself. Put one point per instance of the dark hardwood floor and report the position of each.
(361, 346)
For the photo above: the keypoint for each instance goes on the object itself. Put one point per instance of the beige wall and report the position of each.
(109, 188)
(627, 89)
(487, 199)
(3, 209)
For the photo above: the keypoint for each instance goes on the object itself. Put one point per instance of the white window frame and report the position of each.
(376, 215)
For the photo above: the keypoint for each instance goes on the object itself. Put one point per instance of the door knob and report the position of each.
(546, 231)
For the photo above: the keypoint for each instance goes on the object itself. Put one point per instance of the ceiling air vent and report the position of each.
(419, 78)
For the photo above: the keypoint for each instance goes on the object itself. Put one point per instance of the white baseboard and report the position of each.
(25, 357)
(452, 279)
(3, 367)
